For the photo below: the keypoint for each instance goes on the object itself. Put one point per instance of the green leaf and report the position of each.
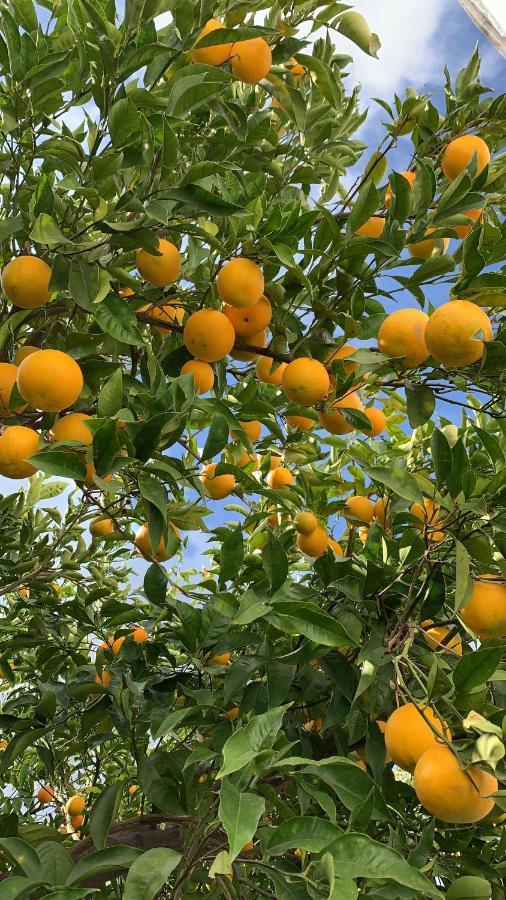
(463, 580)
(60, 462)
(157, 778)
(124, 123)
(103, 813)
(359, 856)
(110, 398)
(56, 862)
(154, 492)
(431, 268)
(312, 622)
(46, 231)
(306, 832)
(155, 584)
(420, 403)
(217, 437)
(355, 27)
(116, 318)
(110, 860)
(10, 226)
(401, 482)
(244, 745)
(364, 207)
(275, 562)
(149, 873)
(197, 197)
(441, 456)
(84, 282)
(239, 813)
(231, 555)
(22, 855)
(476, 668)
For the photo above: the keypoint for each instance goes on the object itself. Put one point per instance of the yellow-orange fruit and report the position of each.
(279, 478)
(381, 509)
(333, 420)
(313, 725)
(378, 421)
(25, 282)
(16, 444)
(338, 550)
(314, 544)
(23, 352)
(463, 230)
(373, 228)
(203, 374)
(76, 822)
(255, 340)
(305, 381)
(305, 522)
(140, 635)
(71, 428)
(104, 679)
(117, 644)
(159, 270)
(246, 458)
(143, 543)
(75, 805)
(100, 527)
(428, 246)
(253, 429)
(126, 292)
(24, 592)
(45, 794)
(363, 533)
(233, 713)
(133, 789)
(251, 60)
(435, 636)
(402, 334)
(49, 380)
(171, 313)
(359, 509)
(209, 335)
(248, 846)
(485, 611)
(266, 373)
(211, 56)
(342, 354)
(217, 486)
(240, 283)
(448, 792)
(408, 734)
(8, 374)
(459, 153)
(222, 659)
(295, 68)
(410, 178)
(303, 423)
(3, 745)
(251, 319)
(431, 518)
(450, 330)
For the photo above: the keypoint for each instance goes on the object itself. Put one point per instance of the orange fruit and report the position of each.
(428, 246)
(333, 420)
(381, 508)
(463, 230)
(23, 352)
(251, 60)
(217, 486)
(253, 429)
(209, 335)
(223, 659)
(303, 423)
(359, 509)
(402, 334)
(172, 313)
(76, 822)
(159, 270)
(8, 374)
(203, 374)
(338, 550)
(305, 381)
(248, 846)
(133, 789)
(117, 644)
(373, 228)
(143, 543)
(295, 68)
(240, 283)
(279, 478)
(410, 178)
(448, 792)
(104, 679)
(408, 734)
(342, 354)
(3, 745)
(233, 713)
(75, 805)
(305, 522)
(246, 458)
(256, 340)
(99, 527)
(70, 428)
(430, 516)
(252, 319)
(16, 444)
(435, 637)
(25, 282)
(485, 611)
(450, 333)
(140, 635)
(211, 56)
(459, 153)
(378, 421)
(314, 544)
(45, 794)
(266, 373)
(49, 380)
(363, 533)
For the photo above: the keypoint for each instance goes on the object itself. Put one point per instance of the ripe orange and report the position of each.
(363, 533)
(314, 544)
(342, 353)
(45, 794)
(428, 246)
(16, 444)
(266, 373)
(133, 789)
(252, 319)
(25, 282)
(251, 60)
(381, 509)
(279, 478)
(217, 486)
(408, 734)
(474, 214)
(209, 335)
(435, 637)
(240, 283)
(246, 458)
(402, 334)
(140, 635)
(295, 68)
(143, 543)
(8, 373)
(333, 420)
(104, 679)
(99, 527)
(459, 153)
(431, 518)
(172, 313)
(305, 522)
(448, 792)
(373, 228)
(70, 428)
(159, 270)
(338, 550)
(410, 178)
(359, 509)
(117, 644)
(3, 745)
(24, 351)
(211, 56)
(253, 429)
(76, 822)
(303, 423)
(233, 713)
(75, 805)
(203, 374)
(223, 659)
(255, 340)
(485, 611)
(450, 330)
(378, 421)
(49, 380)
(305, 381)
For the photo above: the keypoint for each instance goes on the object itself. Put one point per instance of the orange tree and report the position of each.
(197, 307)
